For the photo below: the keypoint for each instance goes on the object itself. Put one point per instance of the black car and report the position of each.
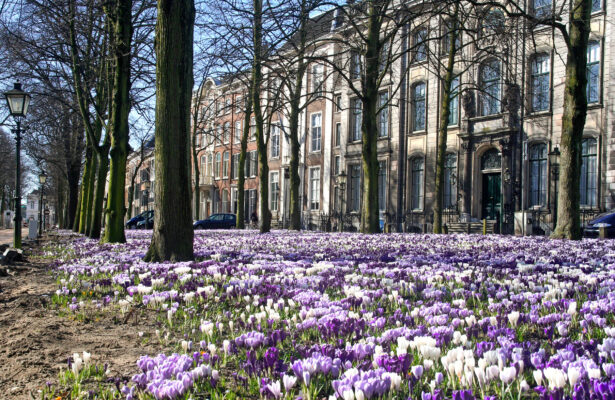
(132, 222)
(147, 222)
(217, 221)
(592, 229)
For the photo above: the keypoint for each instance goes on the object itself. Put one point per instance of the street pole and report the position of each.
(17, 232)
(40, 213)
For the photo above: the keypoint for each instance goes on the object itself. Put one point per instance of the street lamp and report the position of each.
(554, 160)
(42, 178)
(18, 102)
(341, 181)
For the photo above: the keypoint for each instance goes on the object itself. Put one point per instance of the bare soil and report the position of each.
(35, 341)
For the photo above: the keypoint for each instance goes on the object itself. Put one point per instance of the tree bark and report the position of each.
(99, 194)
(241, 179)
(77, 210)
(121, 22)
(573, 123)
(86, 188)
(173, 233)
(89, 209)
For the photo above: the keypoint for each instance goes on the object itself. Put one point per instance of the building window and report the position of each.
(492, 159)
(450, 181)
(225, 201)
(238, 104)
(210, 165)
(489, 85)
(538, 175)
(382, 185)
(418, 109)
(316, 132)
(235, 165)
(355, 188)
(417, 177)
(453, 109)
(253, 129)
(253, 163)
(589, 173)
(338, 103)
(275, 141)
(420, 45)
(355, 65)
(542, 8)
(593, 72)
(337, 165)
(493, 23)
(227, 132)
(227, 106)
(225, 165)
(218, 165)
(274, 188)
(447, 33)
(237, 137)
(357, 119)
(541, 68)
(596, 5)
(338, 134)
(317, 79)
(383, 115)
(219, 135)
(234, 200)
(315, 188)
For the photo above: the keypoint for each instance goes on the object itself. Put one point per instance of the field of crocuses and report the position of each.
(349, 316)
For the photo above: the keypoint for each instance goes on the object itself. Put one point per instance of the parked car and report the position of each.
(147, 222)
(217, 221)
(592, 228)
(132, 222)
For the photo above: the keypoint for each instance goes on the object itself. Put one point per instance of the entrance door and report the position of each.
(492, 193)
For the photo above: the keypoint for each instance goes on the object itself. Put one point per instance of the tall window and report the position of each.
(219, 135)
(234, 200)
(337, 165)
(447, 33)
(316, 131)
(541, 82)
(225, 164)
(589, 173)
(593, 72)
(356, 120)
(275, 141)
(538, 175)
(274, 184)
(418, 174)
(382, 185)
(315, 188)
(542, 8)
(203, 171)
(225, 201)
(218, 165)
(418, 109)
(227, 132)
(489, 82)
(235, 165)
(596, 5)
(420, 45)
(238, 104)
(253, 129)
(227, 106)
(453, 114)
(317, 79)
(338, 103)
(355, 65)
(355, 188)
(253, 163)
(450, 181)
(237, 137)
(210, 165)
(383, 115)
(338, 134)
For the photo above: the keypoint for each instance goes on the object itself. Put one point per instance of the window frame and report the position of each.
(357, 120)
(382, 185)
(538, 73)
(237, 131)
(316, 133)
(338, 134)
(225, 164)
(598, 76)
(354, 188)
(537, 195)
(420, 44)
(275, 141)
(453, 109)
(383, 115)
(274, 197)
(318, 70)
(415, 126)
(588, 182)
(314, 203)
(485, 97)
(417, 184)
(217, 165)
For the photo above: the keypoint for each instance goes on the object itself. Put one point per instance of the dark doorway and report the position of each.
(492, 194)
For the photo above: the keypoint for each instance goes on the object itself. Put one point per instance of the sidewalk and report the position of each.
(6, 235)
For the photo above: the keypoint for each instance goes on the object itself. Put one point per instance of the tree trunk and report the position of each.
(121, 22)
(61, 205)
(99, 195)
(241, 179)
(173, 233)
(443, 130)
(573, 123)
(86, 188)
(77, 210)
(90, 206)
(369, 131)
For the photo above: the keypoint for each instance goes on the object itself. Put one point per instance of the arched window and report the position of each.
(538, 175)
(541, 82)
(593, 72)
(450, 180)
(589, 172)
(417, 179)
(418, 109)
(493, 23)
(217, 165)
(225, 164)
(492, 159)
(489, 85)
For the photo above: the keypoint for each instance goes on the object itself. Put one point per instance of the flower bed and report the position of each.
(350, 316)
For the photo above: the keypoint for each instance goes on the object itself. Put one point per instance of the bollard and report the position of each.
(602, 232)
(484, 226)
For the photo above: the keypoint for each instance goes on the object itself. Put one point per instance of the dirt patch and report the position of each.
(35, 341)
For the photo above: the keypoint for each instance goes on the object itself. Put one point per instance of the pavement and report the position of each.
(6, 235)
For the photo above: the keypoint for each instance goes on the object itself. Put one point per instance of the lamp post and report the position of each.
(45, 212)
(18, 102)
(554, 161)
(42, 178)
(341, 181)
